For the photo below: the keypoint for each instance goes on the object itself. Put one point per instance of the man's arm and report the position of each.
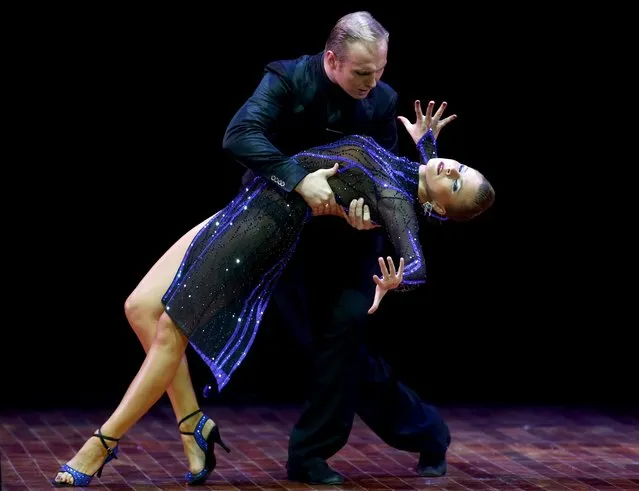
(245, 137)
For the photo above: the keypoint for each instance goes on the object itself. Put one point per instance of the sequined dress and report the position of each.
(222, 287)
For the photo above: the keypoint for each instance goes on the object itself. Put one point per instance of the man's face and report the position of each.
(360, 69)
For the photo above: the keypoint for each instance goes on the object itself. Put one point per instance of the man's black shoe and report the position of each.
(426, 467)
(319, 473)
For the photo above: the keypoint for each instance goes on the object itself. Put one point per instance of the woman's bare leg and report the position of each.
(143, 309)
(155, 375)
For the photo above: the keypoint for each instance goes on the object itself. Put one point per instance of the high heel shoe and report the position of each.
(80, 479)
(207, 445)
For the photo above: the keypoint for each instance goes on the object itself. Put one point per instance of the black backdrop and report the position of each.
(125, 118)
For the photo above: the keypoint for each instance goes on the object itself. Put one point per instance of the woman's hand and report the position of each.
(423, 122)
(390, 279)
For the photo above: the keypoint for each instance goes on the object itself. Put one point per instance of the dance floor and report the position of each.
(493, 448)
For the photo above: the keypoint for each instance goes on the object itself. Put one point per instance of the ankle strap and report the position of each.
(102, 438)
(189, 416)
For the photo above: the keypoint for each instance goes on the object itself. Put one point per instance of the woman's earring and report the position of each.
(428, 208)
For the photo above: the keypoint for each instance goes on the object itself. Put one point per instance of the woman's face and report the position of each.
(449, 183)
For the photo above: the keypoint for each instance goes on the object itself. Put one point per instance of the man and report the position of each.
(299, 104)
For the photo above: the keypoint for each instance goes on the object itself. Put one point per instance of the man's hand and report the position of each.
(390, 279)
(359, 216)
(317, 193)
(423, 122)
(319, 196)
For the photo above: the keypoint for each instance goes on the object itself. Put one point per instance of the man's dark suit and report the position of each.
(327, 288)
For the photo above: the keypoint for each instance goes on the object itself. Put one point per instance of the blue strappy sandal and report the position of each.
(80, 479)
(208, 447)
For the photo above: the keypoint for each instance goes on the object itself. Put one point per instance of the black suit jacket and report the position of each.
(296, 107)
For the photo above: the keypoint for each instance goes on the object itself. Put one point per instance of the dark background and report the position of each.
(124, 114)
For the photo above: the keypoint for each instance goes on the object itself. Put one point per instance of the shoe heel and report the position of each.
(112, 453)
(206, 445)
(218, 439)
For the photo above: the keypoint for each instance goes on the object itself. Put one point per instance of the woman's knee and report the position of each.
(141, 311)
(168, 335)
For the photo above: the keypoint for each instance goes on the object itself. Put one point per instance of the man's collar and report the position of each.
(325, 83)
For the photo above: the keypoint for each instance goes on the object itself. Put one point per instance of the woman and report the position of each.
(214, 295)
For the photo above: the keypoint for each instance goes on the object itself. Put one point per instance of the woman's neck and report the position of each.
(422, 192)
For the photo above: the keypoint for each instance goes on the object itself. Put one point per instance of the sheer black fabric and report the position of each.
(228, 274)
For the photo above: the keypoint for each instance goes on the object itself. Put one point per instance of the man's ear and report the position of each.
(331, 58)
